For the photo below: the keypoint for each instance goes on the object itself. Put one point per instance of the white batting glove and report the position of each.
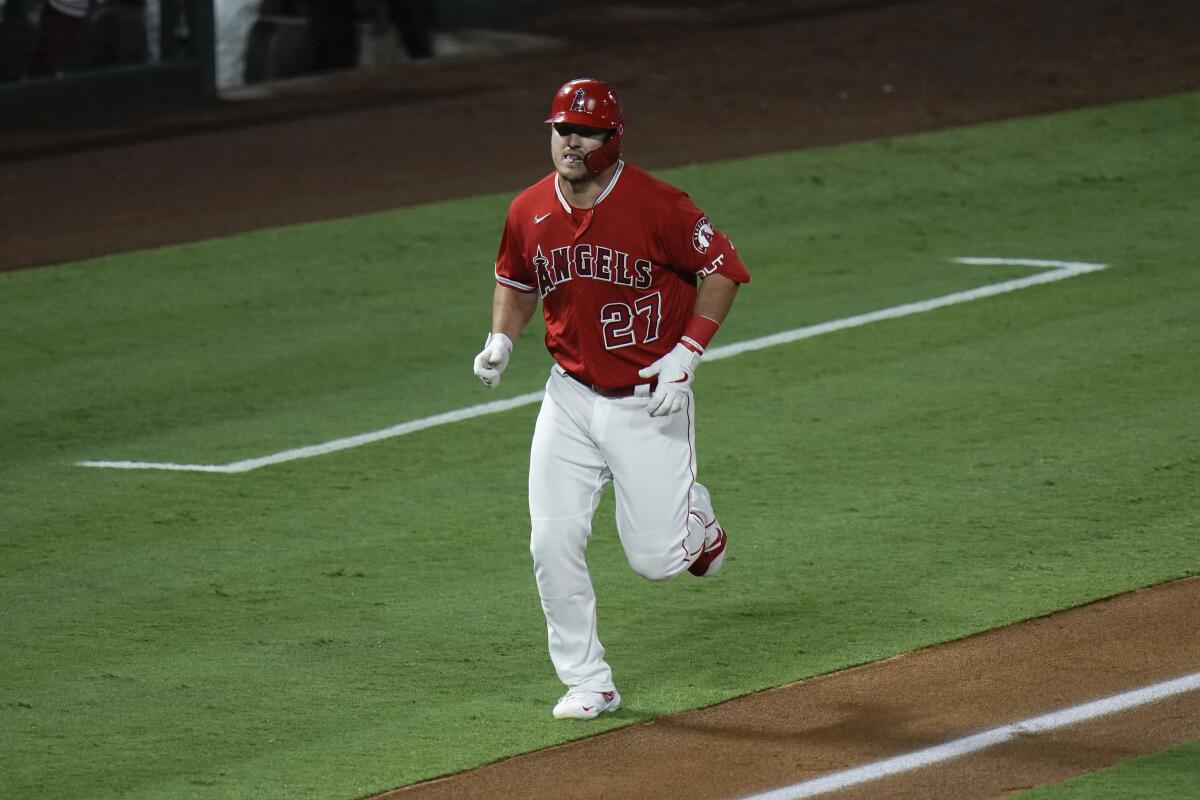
(492, 360)
(675, 371)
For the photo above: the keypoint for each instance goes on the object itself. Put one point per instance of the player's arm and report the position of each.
(511, 312)
(715, 297)
(695, 245)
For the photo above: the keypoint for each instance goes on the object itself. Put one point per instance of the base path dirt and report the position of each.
(907, 703)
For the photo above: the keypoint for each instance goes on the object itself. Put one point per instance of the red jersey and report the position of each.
(617, 281)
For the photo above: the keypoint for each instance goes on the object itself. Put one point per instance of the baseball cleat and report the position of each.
(712, 553)
(582, 704)
(711, 558)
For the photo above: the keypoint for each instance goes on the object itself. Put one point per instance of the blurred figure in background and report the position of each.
(414, 25)
(58, 30)
(49, 38)
(334, 26)
(16, 35)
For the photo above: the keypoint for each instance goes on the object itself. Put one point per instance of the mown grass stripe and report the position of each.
(1059, 270)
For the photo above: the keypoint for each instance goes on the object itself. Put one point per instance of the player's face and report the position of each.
(568, 146)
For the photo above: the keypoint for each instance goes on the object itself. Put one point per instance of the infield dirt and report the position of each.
(893, 707)
(697, 86)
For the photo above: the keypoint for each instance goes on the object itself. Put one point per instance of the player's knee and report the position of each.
(557, 540)
(558, 549)
(652, 567)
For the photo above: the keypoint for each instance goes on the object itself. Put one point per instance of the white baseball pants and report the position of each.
(581, 442)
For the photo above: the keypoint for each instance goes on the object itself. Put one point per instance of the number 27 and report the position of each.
(617, 321)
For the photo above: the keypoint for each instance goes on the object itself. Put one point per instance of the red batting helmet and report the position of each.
(587, 101)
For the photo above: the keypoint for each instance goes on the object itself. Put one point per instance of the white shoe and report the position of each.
(582, 704)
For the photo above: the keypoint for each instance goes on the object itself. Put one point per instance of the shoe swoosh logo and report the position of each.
(537, 220)
(588, 708)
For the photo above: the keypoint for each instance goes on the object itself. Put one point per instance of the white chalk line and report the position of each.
(310, 451)
(957, 748)
(1058, 270)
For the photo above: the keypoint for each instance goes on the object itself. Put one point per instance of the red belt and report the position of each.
(621, 391)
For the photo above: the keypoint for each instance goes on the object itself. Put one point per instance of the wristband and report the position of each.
(699, 332)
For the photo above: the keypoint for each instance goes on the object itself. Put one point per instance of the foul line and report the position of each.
(981, 741)
(1057, 271)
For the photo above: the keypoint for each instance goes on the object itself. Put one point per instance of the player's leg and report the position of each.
(664, 517)
(566, 477)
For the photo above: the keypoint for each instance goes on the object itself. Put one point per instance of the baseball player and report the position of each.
(634, 282)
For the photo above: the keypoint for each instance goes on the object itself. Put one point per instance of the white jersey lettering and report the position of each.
(590, 261)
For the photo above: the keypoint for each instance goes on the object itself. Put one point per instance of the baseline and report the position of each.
(956, 748)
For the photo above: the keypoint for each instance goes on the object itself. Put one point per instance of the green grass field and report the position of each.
(1169, 774)
(339, 625)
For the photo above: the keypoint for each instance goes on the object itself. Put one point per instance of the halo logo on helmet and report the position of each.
(594, 104)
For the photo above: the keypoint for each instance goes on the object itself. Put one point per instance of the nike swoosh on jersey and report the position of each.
(537, 220)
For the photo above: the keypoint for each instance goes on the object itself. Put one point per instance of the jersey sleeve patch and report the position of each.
(710, 250)
(702, 235)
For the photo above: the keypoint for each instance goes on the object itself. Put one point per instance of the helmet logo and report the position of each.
(577, 103)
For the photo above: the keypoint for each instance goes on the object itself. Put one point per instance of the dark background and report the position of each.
(106, 172)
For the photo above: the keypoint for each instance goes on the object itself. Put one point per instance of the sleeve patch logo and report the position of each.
(702, 236)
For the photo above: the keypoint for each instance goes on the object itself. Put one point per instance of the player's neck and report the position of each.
(583, 194)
